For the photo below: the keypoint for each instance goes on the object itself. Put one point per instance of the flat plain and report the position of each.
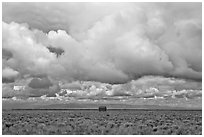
(111, 122)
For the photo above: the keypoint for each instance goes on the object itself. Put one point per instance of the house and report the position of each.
(102, 108)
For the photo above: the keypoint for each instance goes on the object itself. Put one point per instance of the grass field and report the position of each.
(80, 122)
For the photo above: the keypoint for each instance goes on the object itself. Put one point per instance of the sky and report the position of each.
(132, 53)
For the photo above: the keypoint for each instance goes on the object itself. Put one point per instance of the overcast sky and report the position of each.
(48, 46)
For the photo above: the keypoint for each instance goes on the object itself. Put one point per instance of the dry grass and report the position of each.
(94, 122)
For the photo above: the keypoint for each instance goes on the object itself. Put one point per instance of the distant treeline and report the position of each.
(96, 109)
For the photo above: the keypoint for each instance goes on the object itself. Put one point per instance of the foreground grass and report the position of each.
(97, 123)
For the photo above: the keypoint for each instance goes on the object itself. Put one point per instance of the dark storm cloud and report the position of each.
(6, 54)
(124, 42)
(42, 85)
(39, 83)
(8, 80)
(57, 51)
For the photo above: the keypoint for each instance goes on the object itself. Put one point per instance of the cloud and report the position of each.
(147, 90)
(43, 86)
(37, 83)
(71, 86)
(148, 87)
(9, 75)
(57, 51)
(6, 54)
(36, 60)
(36, 86)
(8, 80)
(71, 17)
(6, 90)
(124, 42)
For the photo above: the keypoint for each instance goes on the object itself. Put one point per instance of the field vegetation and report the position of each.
(96, 123)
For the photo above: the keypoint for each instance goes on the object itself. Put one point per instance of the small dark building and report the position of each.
(102, 108)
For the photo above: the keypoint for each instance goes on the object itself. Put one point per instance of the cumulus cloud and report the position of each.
(124, 42)
(30, 57)
(9, 75)
(146, 90)
(148, 87)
